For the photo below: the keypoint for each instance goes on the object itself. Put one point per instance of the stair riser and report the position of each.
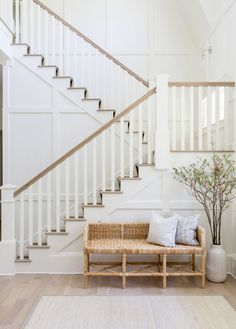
(76, 94)
(19, 50)
(61, 84)
(46, 73)
(32, 61)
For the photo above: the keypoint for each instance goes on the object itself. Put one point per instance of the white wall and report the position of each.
(150, 36)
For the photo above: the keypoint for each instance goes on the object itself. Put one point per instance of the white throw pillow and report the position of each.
(162, 230)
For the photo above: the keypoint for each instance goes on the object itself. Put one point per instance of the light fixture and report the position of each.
(207, 51)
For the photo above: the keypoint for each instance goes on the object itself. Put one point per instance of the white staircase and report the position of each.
(124, 157)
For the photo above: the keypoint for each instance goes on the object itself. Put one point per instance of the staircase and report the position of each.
(125, 156)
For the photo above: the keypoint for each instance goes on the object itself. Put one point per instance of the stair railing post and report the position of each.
(8, 237)
(162, 142)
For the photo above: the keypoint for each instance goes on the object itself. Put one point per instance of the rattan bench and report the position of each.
(130, 239)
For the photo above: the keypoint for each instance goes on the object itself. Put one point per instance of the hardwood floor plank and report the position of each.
(19, 294)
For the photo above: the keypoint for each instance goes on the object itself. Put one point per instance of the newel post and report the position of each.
(8, 238)
(162, 142)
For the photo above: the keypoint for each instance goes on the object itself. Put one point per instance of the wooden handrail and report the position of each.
(101, 50)
(200, 84)
(84, 142)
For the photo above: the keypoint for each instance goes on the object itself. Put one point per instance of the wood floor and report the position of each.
(19, 294)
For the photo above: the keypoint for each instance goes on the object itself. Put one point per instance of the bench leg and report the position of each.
(164, 270)
(193, 262)
(123, 271)
(203, 270)
(86, 269)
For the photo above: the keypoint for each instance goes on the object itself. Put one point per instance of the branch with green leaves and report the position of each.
(211, 183)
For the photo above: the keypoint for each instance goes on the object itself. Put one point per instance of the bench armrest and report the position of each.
(201, 236)
(86, 231)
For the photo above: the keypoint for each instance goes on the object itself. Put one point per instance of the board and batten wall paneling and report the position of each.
(150, 36)
(39, 123)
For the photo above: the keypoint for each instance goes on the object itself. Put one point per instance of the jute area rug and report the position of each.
(132, 312)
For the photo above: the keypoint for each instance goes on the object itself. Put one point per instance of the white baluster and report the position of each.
(191, 118)
(182, 126)
(67, 48)
(82, 61)
(76, 162)
(200, 115)
(30, 215)
(174, 134)
(140, 134)
(122, 155)
(39, 29)
(94, 171)
(24, 19)
(61, 50)
(90, 68)
(45, 38)
(31, 26)
(217, 111)
(112, 158)
(75, 70)
(227, 126)
(209, 109)
(53, 41)
(40, 213)
(85, 176)
(131, 146)
(17, 20)
(58, 199)
(67, 188)
(104, 160)
(22, 225)
(49, 202)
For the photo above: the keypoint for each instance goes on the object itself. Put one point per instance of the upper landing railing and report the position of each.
(201, 116)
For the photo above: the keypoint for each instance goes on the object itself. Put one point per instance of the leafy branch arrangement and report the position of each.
(212, 183)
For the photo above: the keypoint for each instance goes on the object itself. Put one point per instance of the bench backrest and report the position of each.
(118, 231)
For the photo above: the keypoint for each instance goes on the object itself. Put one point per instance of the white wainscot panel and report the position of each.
(26, 89)
(74, 128)
(179, 67)
(89, 17)
(137, 63)
(65, 103)
(127, 25)
(153, 192)
(56, 6)
(171, 34)
(30, 145)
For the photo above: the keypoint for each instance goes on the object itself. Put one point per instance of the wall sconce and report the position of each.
(205, 52)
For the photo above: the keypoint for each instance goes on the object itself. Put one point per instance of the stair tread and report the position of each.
(20, 44)
(129, 178)
(77, 88)
(48, 66)
(33, 55)
(73, 219)
(54, 232)
(91, 99)
(25, 260)
(62, 77)
(36, 246)
(92, 205)
(111, 192)
(145, 164)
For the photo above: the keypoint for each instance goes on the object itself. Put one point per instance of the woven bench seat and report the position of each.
(137, 246)
(131, 239)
